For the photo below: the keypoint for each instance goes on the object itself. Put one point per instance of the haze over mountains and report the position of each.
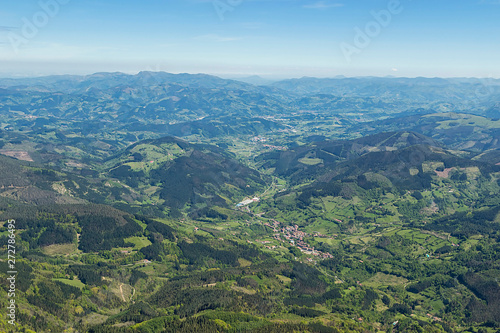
(475, 94)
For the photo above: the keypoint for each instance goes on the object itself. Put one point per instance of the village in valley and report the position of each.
(295, 237)
(288, 235)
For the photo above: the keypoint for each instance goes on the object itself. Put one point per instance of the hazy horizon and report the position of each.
(248, 76)
(272, 39)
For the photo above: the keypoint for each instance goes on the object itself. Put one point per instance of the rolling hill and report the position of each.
(178, 174)
(309, 160)
(455, 130)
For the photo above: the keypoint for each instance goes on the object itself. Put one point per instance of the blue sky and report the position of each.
(271, 38)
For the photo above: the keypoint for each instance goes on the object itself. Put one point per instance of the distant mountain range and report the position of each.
(148, 96)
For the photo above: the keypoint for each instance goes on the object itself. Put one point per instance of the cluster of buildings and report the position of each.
(294, 236)
(433, 317)
(261, 139)
(258, 139)
(272, 147)
(247, 202)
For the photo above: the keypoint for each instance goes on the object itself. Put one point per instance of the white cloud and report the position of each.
(253, 25)
(6, 28)
(323, 5)
(211, 1)
(217, 38)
